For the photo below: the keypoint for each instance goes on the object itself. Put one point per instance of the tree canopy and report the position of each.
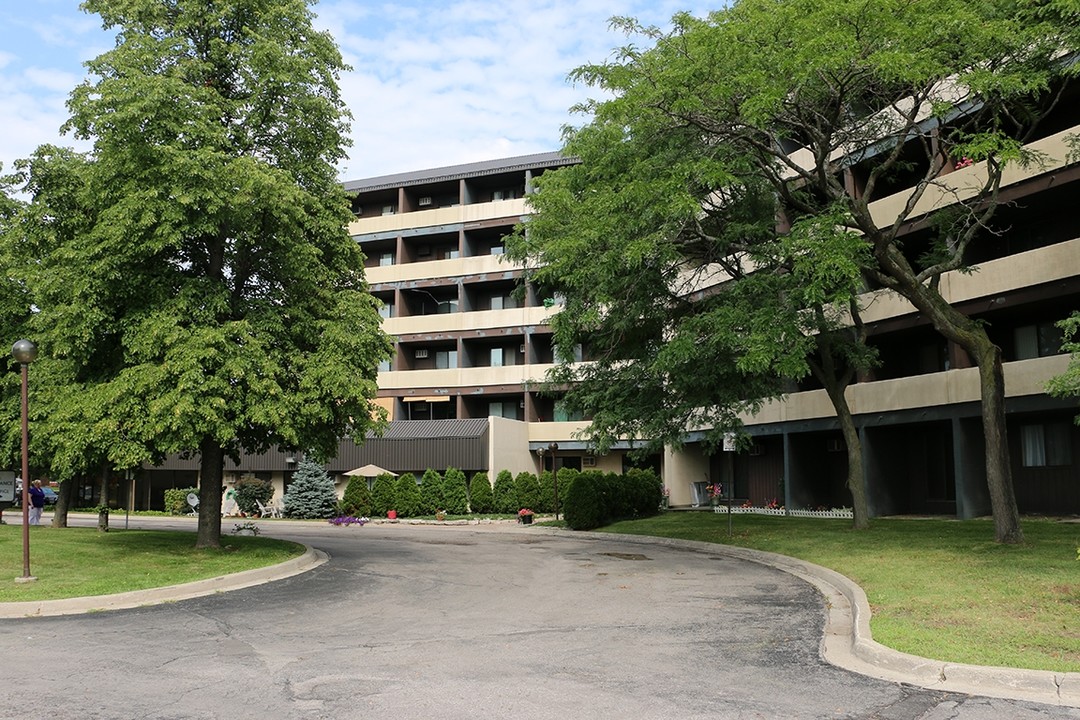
(194, 286)
(752, 145)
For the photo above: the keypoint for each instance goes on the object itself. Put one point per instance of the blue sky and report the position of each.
(433, 84)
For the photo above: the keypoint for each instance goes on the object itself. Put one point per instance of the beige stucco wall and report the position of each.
(508, 447)
(682, 468)
(474, 212)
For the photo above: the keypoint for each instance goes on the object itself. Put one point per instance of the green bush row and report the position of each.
(594, 498)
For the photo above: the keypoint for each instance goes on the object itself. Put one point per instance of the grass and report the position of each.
(76, 562)
(937, 588)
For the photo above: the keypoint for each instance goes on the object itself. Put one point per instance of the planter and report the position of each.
(526, 519)
(391, 514)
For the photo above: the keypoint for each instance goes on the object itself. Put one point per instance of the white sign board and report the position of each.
(729, 442)
(7, 487)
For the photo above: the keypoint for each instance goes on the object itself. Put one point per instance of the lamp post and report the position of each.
(25, 352)
(553, 448)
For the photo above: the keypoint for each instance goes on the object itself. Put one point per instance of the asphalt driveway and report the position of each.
(468, 622)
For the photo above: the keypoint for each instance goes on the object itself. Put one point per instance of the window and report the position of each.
(562, 414)
(497, 249)
(445, 359)
(386, 310)
(384, 366)
(496, 357)
(1045, 444)
(446, 307)
(386, 259)
(1039, 340)
(389, 209)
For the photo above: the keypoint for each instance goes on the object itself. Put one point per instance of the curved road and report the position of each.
(489, 621)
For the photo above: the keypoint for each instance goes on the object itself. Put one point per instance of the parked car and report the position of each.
(50, 496)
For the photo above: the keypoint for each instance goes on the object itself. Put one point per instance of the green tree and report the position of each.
(356, 500)
(204, 295)
(481, 499)
(455, 492)
(311, 493)
(431, 492)
(383, 494)
(784, 108)
(1068, 383)
(527, 491)
(503, 496)
(410, 502)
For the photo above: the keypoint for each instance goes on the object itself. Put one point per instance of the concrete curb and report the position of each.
(848, 643)
(312, 558)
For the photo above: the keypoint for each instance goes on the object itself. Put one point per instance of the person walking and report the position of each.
(37, 502)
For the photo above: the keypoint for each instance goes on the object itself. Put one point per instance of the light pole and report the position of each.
(553, 448)
(25, 352)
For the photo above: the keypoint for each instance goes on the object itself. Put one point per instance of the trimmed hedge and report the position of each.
(481, 499)
(594, 499)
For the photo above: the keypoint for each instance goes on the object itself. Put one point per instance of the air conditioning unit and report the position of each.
(424, 201)
(389, 209)
(588, 461)
(521, 348)
(421, 353)
(521, 404)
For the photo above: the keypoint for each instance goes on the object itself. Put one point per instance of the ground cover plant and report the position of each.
(937, 588)
(76, 562)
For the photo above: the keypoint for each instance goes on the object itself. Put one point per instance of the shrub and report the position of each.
(584, 508)
(248, 490)
(505, 499)
(481, 499)
(527, 490)
(646, 490)
(547, 492)
(431, 493)
(176, 500)
(311, 493)
(566, 480)
(455, 492)
(356, 502)
(383, 494)
(407, 496)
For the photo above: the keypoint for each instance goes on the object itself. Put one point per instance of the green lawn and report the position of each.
(74, 562)
(937, 588)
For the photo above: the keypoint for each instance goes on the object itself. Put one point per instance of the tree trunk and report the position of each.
(972, 337)
(65, 499)
(211, 472)
(835, 387)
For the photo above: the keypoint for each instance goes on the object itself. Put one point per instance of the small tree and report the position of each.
(250, 491)
(357, 498)
(505, 499)
(431, 493)
(407, 496)
(455, 492)
(383, 494)
(481, 499)
(527, 490)
(311, 493)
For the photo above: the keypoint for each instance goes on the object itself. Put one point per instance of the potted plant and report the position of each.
(525, 516)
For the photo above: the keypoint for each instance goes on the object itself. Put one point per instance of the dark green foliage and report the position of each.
(407, 495)
(566, 479)
(176, 500)
(505, 498)
(249, 490)
(311, 494)
(455, 492)
(527, 490)
(383, 494)
(431, 493)
(584, 508)
(357, 498)
(645, 490)
(546, 502)
(481, 499)
(618, 500)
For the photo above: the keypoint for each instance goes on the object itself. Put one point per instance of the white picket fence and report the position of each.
(838, 513)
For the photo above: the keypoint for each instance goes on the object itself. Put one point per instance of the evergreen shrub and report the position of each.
(311, 493)
(248, 490)
(527, 491)
(584, 508)
(383, 494)
(356, 502)
(407, 495)
(505, 498)
(455, 492)
(481, 499)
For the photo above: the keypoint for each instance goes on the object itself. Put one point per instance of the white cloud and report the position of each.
(433, 84)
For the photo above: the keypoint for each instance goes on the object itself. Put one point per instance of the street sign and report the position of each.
(7, 487)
